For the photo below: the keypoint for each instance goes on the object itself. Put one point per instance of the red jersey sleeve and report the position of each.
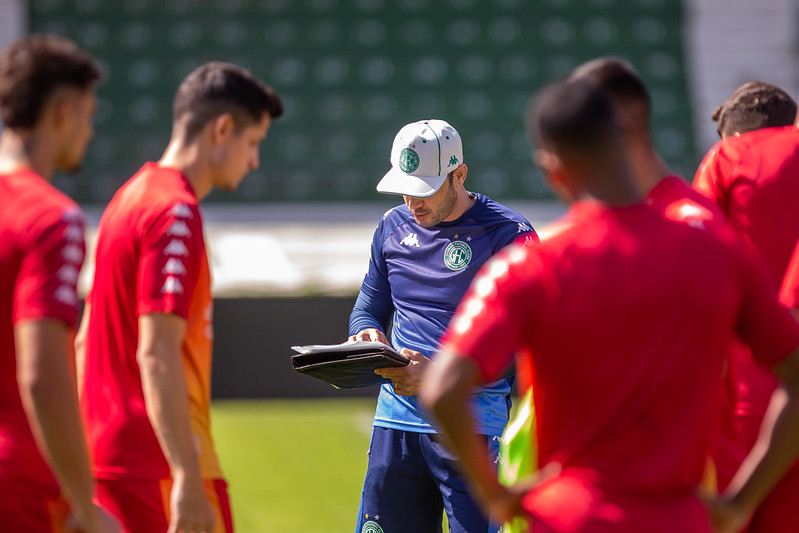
(712, 177)
(789, 292)
(54, 249)
(769, 328)
(170, 258)
(498, 310)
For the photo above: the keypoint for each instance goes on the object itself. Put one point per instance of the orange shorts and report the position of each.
(24, 508)
(142, 506)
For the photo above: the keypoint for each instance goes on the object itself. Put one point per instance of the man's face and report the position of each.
(78, 128)
(238, 154)
(430, 211)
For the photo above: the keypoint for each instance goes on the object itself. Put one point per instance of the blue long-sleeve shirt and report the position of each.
(416, 278)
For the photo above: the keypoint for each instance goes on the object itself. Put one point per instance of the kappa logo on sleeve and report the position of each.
(176, 247)
(523, 228)
(73, 215)
(66, 295)
(172, 285)
(72, 254)
(179, 229)
(174, 266)
(73, 232)
(182, 211)
(68, 274)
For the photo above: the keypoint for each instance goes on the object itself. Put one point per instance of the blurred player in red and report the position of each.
(752, 106)
(752, 178)
(47, 101)
(627, 336)
(673, 197)
(145, 342)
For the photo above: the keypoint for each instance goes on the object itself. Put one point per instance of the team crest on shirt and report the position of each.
(371, 527)
(457, 255)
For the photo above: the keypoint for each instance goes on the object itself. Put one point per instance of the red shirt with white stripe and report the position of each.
(628, 318)
(151, 258)
(41, 253)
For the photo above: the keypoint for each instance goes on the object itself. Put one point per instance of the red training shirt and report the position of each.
(675, 200)
(628, 318)
(41, 253)
(151, 258)
(754, 179)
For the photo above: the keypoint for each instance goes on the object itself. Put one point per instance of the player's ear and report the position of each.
(460, 173)
(222, 127)
(546, 160)
(60, 109)
(553, 171)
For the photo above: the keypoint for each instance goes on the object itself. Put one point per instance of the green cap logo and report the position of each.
(457, 255)
(408, 160)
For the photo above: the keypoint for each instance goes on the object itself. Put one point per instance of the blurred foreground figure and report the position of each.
(626, 337)
(754, 179)
(752, 106)
(47, 101)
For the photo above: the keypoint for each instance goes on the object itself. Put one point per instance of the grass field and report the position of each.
(293, 466)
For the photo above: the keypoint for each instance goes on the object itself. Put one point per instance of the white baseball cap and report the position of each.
(423, 154)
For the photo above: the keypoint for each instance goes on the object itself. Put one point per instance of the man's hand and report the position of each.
(505, 504)
(191, 512)
(96, 520)
(725, 516)
(370, 335)
(407, 380)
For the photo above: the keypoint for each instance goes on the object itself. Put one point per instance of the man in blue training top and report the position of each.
(424, 256)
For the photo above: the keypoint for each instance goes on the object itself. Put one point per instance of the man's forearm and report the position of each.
(51, 404)
(167, 403)
(775, 450)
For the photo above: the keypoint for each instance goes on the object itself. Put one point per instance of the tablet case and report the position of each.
(349, 365)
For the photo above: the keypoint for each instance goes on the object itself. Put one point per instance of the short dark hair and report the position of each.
(574, 116)
(32, 68)
(217, 88)
(621, 81)
(752, 106)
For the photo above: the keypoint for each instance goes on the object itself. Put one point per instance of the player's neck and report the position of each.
(647, 166)
(465, 202)
(615, 193)
(610, 182)
(20, 150)
(188, 160)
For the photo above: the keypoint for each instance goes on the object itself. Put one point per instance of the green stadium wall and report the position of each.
(352, 72)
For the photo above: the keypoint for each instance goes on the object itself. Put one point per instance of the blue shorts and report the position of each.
(411, 480)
